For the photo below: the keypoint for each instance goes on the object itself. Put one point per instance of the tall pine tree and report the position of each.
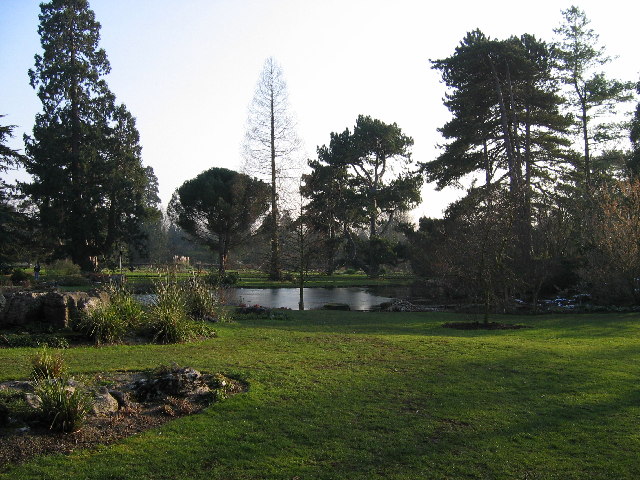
(506, 122)
(83, 155)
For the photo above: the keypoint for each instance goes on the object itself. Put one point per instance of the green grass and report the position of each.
(349, 395)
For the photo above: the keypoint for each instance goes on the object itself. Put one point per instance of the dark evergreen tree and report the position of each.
(375, 165)
(219, 208)
(83, 155)
(13, 223)
(331, 209)
(506, 124)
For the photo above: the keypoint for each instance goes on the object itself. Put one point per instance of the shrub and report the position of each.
(169, 315)
(125, 306)
(200, 300)
(109, 323)
(168, 318)
(103, 324)
(62, 268)
(18, 276)
(63, 408)
(72, 281)
(47, 365)
(225, 280)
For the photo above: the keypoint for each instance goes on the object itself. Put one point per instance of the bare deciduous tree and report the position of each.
(270, 148)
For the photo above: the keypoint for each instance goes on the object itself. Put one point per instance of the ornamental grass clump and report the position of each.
(200, 299)
(63, 408)
(103, 324)
(168, 316)
(125, 306)
(111, 322)
(168, 319)
(47, 365)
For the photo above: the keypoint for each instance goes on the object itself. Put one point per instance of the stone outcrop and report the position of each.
(175, 382)
(53, 308)
(104, 402)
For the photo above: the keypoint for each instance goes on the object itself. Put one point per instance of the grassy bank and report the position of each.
(348, 395)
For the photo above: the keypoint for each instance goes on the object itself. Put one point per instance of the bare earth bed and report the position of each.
(20, 443)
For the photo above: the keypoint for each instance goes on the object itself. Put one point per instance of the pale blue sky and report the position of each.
(187, 69)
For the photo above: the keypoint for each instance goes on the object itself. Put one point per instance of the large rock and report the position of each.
(176, 382)
(103, 402)
(54, 308)
(21, 308)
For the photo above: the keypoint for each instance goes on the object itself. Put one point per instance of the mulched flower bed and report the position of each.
(483, 326)
(20, 443)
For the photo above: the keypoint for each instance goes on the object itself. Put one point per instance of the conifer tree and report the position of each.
(83, 154)
(269, 149)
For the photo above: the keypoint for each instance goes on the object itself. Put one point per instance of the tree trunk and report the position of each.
(274, 268)
(77, 234)
(587, 155)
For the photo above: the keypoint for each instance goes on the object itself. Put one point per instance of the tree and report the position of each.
(634, 160)
(331, 209)
(269, 146)
(374, 161)
(219, 208)
(12, 222)
(590, 93)
(506, 124)
(613, 259)
(83, 155)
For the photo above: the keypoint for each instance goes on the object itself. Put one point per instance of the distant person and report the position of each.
(36, 271)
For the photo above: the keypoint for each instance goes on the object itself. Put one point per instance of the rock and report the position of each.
(53, 308)
(103, 402)
(21, 308)
(17, 385)
(120, 398)
(177, 382)
(33, 400)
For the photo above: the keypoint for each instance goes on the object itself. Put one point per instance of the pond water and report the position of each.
(356, 297)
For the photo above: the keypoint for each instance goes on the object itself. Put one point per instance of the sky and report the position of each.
(187, 70)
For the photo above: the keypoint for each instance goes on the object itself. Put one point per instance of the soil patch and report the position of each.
(21, 442)
(483, 326)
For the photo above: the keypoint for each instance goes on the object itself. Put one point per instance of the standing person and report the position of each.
(36, 271)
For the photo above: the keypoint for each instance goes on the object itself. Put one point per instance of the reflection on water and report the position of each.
(357, 298)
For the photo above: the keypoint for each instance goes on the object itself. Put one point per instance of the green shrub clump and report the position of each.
(19, 276)
(225, 280)
(103, 324)
(111, 322)
(168, 316)
(201, 301)
(63, 408)
(47, 365)
(64, 267)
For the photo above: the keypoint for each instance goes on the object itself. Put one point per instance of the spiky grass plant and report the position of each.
(110, 322)
(168, 316)
(47, 365)
(63, 408)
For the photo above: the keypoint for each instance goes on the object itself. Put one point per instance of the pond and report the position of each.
(356, 297)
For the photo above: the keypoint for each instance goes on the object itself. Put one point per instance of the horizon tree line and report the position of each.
(527, 135)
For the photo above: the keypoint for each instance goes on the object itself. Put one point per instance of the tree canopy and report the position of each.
(89, 185)
(220, 208)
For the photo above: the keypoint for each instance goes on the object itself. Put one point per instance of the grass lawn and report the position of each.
(349, 395)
